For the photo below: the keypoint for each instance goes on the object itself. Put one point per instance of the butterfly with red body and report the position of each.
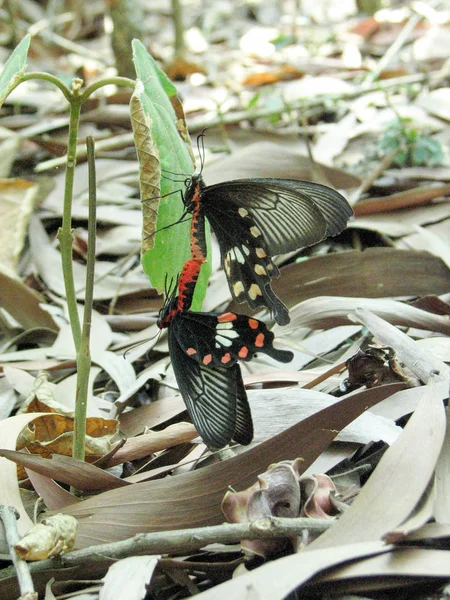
(204, 349)
(255, 219)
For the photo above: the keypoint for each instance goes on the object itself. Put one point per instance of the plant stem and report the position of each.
(65, 234)
(119, 81)
(83, 354)
(51, 79)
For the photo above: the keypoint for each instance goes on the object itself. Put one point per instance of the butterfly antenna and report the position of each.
(137, 344)
(201, 148)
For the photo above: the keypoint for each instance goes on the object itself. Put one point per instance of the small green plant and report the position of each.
(163, 147)
(415, 148)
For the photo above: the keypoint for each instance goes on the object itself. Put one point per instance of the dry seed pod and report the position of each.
(54, 536)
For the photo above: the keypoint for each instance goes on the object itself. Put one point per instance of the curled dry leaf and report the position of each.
(375, 366)
(281, 492)
(41, 398)
(149, 167)
(54, 536)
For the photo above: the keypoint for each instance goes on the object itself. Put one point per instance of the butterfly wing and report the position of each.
(255, 219)
(215, 398)
(334, 207)
(220, 340)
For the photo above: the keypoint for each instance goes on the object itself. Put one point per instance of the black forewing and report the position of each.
(288, 220)
(205, 334)
(333, 206)
(291, 214)
(210, 395)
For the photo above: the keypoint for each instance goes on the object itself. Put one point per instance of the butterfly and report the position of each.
(255, 219)
(205, 349)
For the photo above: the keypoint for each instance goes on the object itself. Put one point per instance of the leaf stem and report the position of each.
(65, 234)
(119, 81)
(51, 79)
(83, 354)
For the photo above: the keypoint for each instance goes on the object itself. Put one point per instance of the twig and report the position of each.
(393, 49)
(9, 515)
(368, 181)
(182, 541)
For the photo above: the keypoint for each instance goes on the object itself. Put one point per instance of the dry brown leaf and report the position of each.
(193, 499)
(414, 197)
(53, 495)
(135, 421)
(149, 165)
(403, 222)
(23, 303)
(53, 433)
(364, 274)
(52, 537)
(266, 159)
(66, 469)
(154, 441)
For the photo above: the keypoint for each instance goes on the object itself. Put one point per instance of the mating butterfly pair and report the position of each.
(253, 219)
(204, 349)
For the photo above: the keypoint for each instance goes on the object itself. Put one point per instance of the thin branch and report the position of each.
(182, 541)
(8, 515)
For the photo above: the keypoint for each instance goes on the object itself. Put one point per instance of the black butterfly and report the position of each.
(204, 349)
(255, 219)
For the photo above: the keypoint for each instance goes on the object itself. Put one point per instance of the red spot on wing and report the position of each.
(207, 359)
(191, 351)
(259, 342)
(226, 317)
(254, 324)
(225, 358)
(243, 352)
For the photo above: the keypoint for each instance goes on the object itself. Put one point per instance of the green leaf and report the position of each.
(15, 66)
(171, 249)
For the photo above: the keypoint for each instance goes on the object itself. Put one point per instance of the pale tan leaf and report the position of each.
(48, 263)
(442, 499)
(400, 474)
(276, 579)
(128, 578)
(401, 562)
(329, 311)
(17, 198)
(266, 159)
(154, 441)
(9, 490)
